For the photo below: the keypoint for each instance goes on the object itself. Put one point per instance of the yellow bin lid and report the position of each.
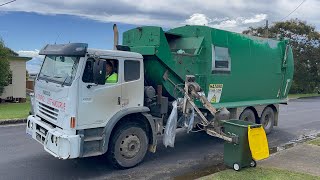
(258, 142)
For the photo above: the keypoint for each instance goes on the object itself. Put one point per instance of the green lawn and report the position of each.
(259, 173)
(293, 96)
(315, 142)
(14, 110)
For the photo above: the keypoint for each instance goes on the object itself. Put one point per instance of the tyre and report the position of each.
(253, 163)
(236, 166)
(248, 115)
(128, 146)
(267, 119)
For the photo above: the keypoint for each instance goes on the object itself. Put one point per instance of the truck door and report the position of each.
(133, 83)
(98, 103)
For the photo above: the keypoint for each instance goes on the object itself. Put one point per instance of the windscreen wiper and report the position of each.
(64, 81)
(44, 75)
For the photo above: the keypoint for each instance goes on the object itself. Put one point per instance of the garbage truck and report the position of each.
(191, 77)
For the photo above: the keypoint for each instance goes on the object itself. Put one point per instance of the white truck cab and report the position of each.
(76, 113)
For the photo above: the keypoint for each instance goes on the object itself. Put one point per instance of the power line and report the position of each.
(293, 10)
(7, 2)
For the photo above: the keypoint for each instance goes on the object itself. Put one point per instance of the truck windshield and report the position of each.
(59, 69)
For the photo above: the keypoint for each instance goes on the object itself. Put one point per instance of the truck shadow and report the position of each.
(193, 152)
(187, 148)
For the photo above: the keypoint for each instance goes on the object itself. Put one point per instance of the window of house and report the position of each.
(10, 78)
(131, 70)
(221, 61)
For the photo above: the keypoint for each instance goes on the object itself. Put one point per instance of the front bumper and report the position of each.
(54, 140)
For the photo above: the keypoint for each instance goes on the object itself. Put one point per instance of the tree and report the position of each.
(4, 65)
(305, 42)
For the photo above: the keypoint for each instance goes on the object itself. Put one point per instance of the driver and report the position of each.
(112, 76)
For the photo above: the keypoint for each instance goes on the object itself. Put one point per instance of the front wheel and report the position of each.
(128, 146)
(236, 167)
(253, 163)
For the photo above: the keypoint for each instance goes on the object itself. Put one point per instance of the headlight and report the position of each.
(54, 139)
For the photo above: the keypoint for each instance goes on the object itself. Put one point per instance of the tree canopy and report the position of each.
(305, 42)
(5, 72)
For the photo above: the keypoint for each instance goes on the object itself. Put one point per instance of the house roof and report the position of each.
(19, 58)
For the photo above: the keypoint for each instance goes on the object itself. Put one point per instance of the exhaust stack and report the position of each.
(115, 36)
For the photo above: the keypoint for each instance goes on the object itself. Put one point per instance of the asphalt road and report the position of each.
(23, 158)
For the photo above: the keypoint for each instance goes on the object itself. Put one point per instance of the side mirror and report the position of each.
(99, 72)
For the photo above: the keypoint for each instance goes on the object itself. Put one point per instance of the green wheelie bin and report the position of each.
(238, 155)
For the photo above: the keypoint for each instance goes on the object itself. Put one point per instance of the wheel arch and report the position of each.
(253, 110)
(138, 115)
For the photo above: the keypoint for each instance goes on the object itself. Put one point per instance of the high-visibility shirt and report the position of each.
(113, 78)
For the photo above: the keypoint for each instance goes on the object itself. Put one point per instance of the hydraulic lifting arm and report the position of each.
(193, 91)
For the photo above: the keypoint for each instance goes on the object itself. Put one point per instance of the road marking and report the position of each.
(302, 111)
(12, 125)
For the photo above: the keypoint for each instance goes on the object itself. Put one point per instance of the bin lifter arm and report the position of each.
(191, 91)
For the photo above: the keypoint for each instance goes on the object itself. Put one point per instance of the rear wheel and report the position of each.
(248, 115)
(236, 166)
(253, 163)
(267, 119)
(128, 146)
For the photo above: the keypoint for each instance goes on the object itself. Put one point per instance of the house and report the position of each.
(32, 76)
(30, 82)
(16, 90)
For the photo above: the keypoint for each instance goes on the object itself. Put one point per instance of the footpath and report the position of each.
(299, 162)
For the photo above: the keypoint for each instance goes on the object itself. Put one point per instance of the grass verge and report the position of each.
(315, 142)
(260, 173)
(14, 110)
(294, 96)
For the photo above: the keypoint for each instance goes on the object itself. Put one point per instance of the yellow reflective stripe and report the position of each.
(113, 78)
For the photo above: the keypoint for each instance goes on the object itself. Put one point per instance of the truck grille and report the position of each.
(46, 111)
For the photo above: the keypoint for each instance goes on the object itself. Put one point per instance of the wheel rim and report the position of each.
(249, 118)
(252, 164)
(236, 167)
(130, 146)
(266, 122)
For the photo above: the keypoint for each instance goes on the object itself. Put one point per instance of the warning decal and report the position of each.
(214, 93)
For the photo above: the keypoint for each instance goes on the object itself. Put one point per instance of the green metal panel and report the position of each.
(258, 73)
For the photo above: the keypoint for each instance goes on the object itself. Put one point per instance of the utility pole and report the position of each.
(267, 29)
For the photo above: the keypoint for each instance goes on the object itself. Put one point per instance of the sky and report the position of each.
(27, 25)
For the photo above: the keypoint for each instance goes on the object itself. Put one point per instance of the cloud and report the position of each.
(235, 15)
(226, 23)
(33, 53)
(257, 18)
(33, 65)
(198, 19)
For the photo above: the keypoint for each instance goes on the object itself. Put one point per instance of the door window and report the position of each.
(131, 70)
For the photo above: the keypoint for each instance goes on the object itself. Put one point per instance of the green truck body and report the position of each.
(233, 69)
